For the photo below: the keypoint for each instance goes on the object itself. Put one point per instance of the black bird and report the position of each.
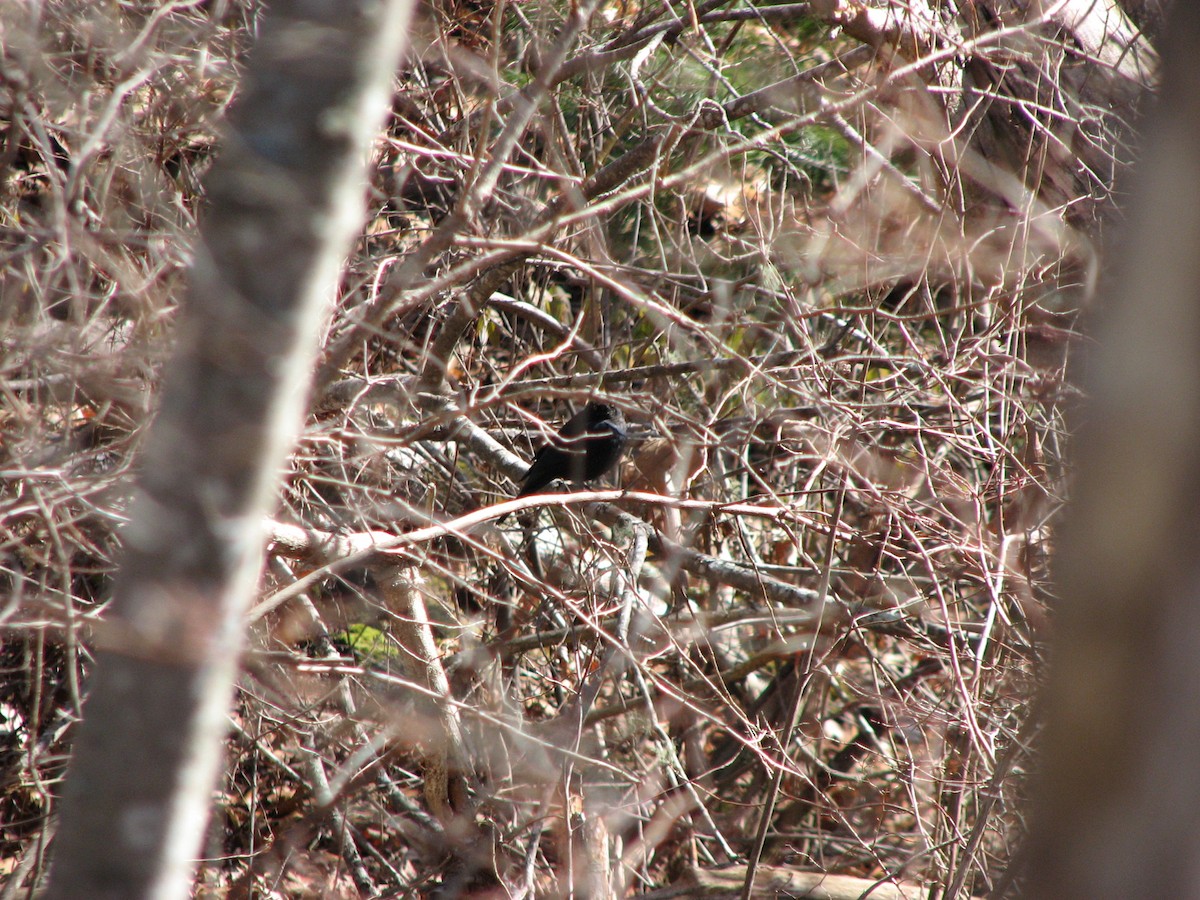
(584, 449)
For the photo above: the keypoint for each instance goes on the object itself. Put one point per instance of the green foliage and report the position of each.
(369, 644)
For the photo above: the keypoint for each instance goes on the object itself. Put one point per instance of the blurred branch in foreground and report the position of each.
(285, 201)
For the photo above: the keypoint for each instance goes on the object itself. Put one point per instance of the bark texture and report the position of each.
(286, 198)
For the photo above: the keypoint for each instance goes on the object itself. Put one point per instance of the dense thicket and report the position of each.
(828, 256)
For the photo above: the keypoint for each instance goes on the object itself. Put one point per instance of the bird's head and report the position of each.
(600, 413)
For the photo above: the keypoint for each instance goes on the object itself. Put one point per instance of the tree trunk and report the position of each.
(1119, 792)
(286, 200)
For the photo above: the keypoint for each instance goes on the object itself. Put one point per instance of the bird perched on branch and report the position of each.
(587, 446)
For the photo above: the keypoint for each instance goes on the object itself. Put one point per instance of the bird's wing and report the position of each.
(575, 427)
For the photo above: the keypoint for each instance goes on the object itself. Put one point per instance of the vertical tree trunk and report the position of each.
(1120, 789)
(285, 202)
